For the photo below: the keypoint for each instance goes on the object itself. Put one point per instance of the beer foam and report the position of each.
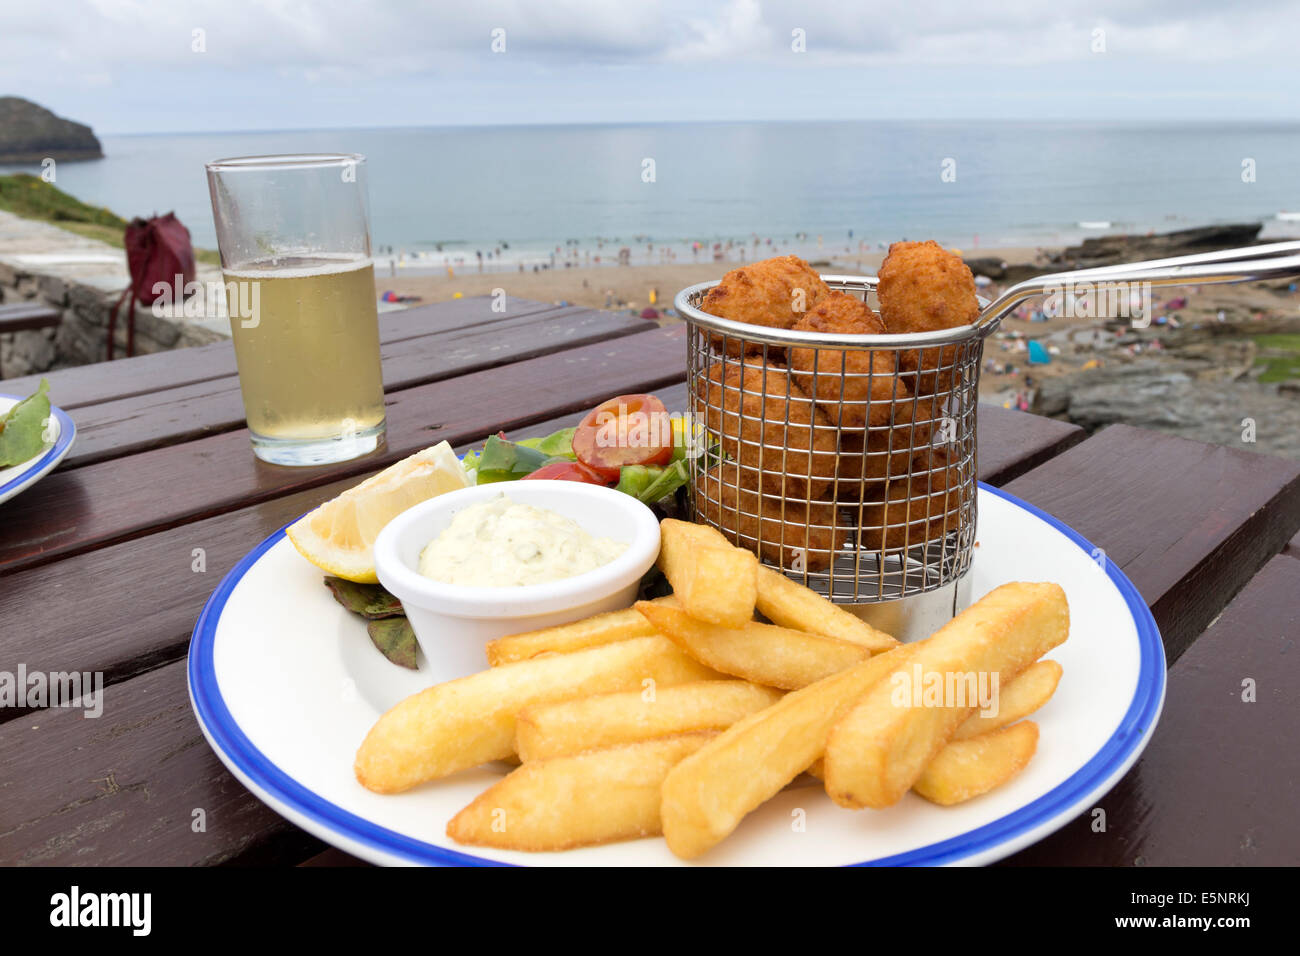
(320, 265)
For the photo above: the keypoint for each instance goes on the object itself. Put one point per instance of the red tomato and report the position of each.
(627, 430)
(567, 471)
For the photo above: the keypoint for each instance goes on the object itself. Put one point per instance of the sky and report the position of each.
(136, 66)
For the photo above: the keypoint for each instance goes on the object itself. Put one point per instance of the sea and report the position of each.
(529, 195)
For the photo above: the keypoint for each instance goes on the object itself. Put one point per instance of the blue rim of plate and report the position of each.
(36, 468)
(234, 745)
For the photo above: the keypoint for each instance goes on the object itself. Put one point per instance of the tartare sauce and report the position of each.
(502, 543)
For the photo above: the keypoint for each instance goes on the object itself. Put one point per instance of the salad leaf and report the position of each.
(555, 445)
(395, 639)
(371, 601)
(667, 482)
(635, 479)
(503, 460)
(22, 429)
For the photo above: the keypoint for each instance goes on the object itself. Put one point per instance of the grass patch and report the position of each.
(31, 197)
(1279, 355)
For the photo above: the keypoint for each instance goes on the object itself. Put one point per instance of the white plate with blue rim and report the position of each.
(59, 434)
(285, 684)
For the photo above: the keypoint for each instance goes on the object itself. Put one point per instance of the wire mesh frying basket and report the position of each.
(845, 461)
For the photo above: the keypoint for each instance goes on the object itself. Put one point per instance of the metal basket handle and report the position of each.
(1277, 260)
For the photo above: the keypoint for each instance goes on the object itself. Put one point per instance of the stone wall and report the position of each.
(83, 279)
(82, 336)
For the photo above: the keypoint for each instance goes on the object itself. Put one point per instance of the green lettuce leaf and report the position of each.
(22, 429)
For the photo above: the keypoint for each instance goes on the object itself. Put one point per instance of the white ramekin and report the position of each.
(453, 623)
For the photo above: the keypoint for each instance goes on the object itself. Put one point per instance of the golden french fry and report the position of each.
(790, 604)
(714, 583)
(577, 800)
(881, 746)
(466, 722)
(707, 795)
(605, 628)
(607, 720)
(1020, 698)
(762, 653)
(967, 768)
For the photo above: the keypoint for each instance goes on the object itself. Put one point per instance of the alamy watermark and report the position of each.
(41, 689)
(243, 299)
(1100, 300)
(917, 687)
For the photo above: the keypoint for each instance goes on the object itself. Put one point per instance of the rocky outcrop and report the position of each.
(1201, 386)
(1243, 414)
(1111, 250)
(30, 133)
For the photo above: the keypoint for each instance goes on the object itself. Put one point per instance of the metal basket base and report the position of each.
(918, 616)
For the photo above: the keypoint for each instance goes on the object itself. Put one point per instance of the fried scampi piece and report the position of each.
(768, 424)
(920, 507)
(869, 459)
(854, 388)
(923, 288)
(772, 293)
(802, 535)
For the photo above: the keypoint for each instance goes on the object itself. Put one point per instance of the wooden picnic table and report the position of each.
(98, 572)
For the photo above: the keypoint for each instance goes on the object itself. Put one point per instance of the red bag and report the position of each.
(157, 250)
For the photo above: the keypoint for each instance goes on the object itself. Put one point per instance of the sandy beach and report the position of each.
(1220, 336)
(618, 287)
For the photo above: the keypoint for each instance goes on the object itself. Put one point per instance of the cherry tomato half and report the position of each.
(627, 430)
(566, 471)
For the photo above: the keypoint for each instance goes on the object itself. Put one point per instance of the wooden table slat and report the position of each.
(107, 629)
(123, 789)
(1292, 550)
(99, 504)
(1216, 785)
(1189, 523)
(125, 426)
(142, 374)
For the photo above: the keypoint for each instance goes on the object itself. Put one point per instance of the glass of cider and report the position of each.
(294, 235)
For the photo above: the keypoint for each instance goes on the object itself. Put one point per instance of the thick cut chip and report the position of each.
(565, 638)
(1020, 698)
(607, 720)
(707, 795)
(762, 653)
(469, 721)
(964, 769)
(790, 604)
(877, 752)
(715, 583)
(582, 800)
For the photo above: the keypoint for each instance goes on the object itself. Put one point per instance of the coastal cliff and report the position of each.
(30, 133)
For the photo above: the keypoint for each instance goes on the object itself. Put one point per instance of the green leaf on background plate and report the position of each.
(395, 639)
(22, 428)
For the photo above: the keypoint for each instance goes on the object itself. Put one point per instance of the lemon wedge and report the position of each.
(338, 536)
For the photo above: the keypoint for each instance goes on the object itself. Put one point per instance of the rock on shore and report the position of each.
(30, 133)
(1114, 249)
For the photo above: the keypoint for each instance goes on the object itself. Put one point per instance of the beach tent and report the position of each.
(1038, 353)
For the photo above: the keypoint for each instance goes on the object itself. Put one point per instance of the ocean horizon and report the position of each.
(523, 193)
